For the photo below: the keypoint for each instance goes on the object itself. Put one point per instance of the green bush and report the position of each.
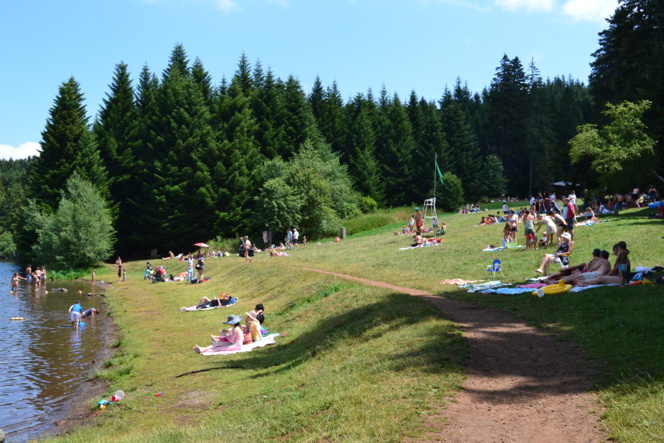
(367, 204)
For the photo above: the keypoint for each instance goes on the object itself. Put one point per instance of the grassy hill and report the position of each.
(359, 363)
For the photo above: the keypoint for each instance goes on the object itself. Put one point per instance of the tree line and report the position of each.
(180, 160)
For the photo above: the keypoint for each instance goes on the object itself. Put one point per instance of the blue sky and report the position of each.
(421, 45)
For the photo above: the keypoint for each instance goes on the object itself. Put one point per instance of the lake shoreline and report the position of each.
(80, 411)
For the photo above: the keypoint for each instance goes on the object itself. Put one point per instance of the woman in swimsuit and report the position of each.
(15, 279)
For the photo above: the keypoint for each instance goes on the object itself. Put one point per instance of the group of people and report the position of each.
(597, 272)
(36, 276)
(237, 335)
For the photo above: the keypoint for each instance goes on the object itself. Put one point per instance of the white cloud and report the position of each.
(228, 6)
(594, 10)
(25, 150)
(531, 5)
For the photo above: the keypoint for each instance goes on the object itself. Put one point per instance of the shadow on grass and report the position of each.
(438, 349)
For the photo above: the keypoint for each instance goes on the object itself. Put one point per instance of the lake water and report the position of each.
(44, 361)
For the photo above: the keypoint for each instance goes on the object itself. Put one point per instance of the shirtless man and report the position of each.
(597, 268)
(28, 274)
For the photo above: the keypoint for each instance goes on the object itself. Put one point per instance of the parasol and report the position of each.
(202, 245)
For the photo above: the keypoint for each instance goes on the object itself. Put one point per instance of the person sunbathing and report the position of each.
(205, 302)
(419, 241)
(620, 272)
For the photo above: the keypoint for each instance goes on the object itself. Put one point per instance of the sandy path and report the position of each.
(522, 385)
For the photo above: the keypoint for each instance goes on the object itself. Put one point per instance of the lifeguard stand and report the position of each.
(430, 208)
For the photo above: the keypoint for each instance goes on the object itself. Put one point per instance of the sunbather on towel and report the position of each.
(222, 300)
(419, 241)
(230, 342)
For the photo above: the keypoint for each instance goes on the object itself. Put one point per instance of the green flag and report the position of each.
(440, 174)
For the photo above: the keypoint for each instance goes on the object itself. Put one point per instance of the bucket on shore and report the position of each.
(119, 395)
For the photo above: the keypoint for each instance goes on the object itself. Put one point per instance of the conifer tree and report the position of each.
(299, 123)
(267, 105)
(240, 156)
(67, 146)
(397, 155)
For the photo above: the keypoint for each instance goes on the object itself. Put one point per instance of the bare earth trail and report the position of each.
(522, 385)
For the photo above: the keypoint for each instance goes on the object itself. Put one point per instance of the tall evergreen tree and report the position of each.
(396, 156)
(268, 109)
(113, 130)
(508, 110)
(240, 156)
(67, 146)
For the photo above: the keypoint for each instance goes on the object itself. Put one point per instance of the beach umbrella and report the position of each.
(202, 245)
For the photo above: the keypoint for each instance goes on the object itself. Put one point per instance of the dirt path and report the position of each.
(522, 385)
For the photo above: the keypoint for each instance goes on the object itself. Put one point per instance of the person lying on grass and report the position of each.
(231, 341)
(620, 272)
(419, 241)
(222, 300)
(561, 255)
(598, 267)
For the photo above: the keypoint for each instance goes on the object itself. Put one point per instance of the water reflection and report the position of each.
(47, 360)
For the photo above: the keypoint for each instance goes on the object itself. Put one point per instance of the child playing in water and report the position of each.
(15, 279)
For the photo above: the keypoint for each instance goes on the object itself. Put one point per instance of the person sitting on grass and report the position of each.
(590, 215)
(598, 267)
(230, 341)
(561, 255)
(620, 272)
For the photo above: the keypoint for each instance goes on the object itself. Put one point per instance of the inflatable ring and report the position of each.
(559, 288)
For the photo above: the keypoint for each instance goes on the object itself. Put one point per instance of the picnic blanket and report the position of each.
(426, 245)
(268, 340)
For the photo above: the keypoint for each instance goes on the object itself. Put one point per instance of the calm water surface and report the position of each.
(43, 360)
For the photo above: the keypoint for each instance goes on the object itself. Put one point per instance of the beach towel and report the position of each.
(426, 245)
(232, 301)
(509, 291)
(483, 286)
(531, 285)
(269, 340)
(458, 281)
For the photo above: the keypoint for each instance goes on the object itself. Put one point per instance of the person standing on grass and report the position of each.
(569, 213)
(190, 268)
(419, 221)
(200, 268)
(296, 237)
(247, 246)
(529, 224)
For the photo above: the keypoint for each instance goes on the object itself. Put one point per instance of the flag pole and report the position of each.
(435, 163)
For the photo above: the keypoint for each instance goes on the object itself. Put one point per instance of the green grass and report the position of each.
(358, 363)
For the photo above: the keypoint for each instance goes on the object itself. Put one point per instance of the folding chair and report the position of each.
(495, 267)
